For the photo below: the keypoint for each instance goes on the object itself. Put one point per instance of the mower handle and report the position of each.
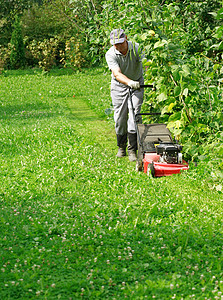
(153, 114)
(148, 86)
(145, 86)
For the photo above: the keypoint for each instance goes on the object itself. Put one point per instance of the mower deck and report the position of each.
(151, 165)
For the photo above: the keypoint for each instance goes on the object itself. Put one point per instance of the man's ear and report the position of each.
(126, 37)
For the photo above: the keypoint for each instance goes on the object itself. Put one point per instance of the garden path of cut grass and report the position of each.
(90, 124)
(78, 223)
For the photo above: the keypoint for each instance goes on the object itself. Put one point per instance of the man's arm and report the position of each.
(120, 77)
(124, 79)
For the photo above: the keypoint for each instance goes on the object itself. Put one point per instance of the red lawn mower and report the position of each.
(158, 154)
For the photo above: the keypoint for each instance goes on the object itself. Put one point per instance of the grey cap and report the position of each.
(117, 36)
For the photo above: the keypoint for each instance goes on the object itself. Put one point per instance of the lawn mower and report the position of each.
(158, 155)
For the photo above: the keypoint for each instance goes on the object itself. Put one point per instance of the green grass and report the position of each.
(78, 223)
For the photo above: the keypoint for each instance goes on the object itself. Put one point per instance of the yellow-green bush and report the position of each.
(74, 54)
(45, 52)
(4, 57)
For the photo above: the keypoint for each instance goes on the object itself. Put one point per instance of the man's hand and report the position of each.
(134, 85)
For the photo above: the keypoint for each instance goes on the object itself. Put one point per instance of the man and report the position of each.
(124, 61)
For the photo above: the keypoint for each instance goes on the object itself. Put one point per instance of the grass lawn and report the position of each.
(78, 223)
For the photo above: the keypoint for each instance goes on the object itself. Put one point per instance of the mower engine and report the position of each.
(169, 153)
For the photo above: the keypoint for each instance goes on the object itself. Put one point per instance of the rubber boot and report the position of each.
(132, 146)
(121, 143)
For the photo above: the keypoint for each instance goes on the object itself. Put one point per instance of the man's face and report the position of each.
(122, 47)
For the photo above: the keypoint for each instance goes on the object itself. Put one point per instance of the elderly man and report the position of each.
(124, 61)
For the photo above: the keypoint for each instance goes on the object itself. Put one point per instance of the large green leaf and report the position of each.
(185, 92)
(144, 36)
(192, 87)
(175, 72)
(160, 44)
(177, 91)
(171, 105)
(175, 117)
(162, 97)
(220, 14)
(185, 70)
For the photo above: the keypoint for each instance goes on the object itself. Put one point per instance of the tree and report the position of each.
(17, 57)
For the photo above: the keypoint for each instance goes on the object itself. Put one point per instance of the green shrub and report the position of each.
(17, 56)
(4, 57)
(74, 55)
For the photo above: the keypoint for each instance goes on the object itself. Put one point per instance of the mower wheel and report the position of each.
(139, 165)
(151, 170)
(180, 158)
